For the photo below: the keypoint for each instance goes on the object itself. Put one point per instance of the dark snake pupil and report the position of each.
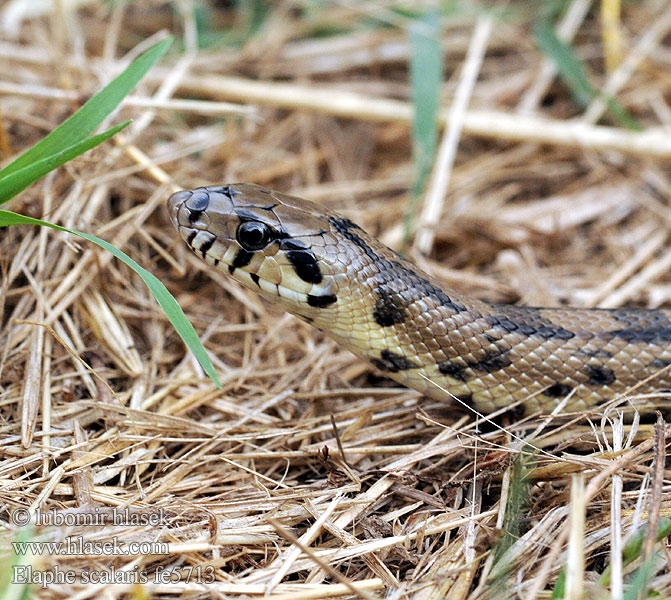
(253, 235)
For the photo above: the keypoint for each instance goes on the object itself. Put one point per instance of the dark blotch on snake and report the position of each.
(492, 361)
(453, 370)
(650, 335)
(594, 353)
(192, 236)
(599, 375)
(533, 326)
(558, 390)
(346, 228)
(255, 278)
(465, 400)
(389, 308)
(640, 326)
(392, 362)
(342, 224)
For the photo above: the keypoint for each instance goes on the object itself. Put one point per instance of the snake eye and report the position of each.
(253, 235)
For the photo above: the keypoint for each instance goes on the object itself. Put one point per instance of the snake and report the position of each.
(327, 271)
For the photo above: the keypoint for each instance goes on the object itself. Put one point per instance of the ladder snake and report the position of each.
(327, 271)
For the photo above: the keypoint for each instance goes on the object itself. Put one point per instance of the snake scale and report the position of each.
(329, 272)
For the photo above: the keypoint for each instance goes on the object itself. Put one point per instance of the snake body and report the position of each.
(326, 270)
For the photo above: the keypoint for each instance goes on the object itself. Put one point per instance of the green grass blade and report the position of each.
(634, 546)
(559, 590)
(14, 566)
(574, 75)
(169, 305)
(513, 521)
(17, 181)
(518, 497)
(426, 77)
(570, 69)
(638, 585)
(89, 116)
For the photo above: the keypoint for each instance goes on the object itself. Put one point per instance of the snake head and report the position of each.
(272, 243)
